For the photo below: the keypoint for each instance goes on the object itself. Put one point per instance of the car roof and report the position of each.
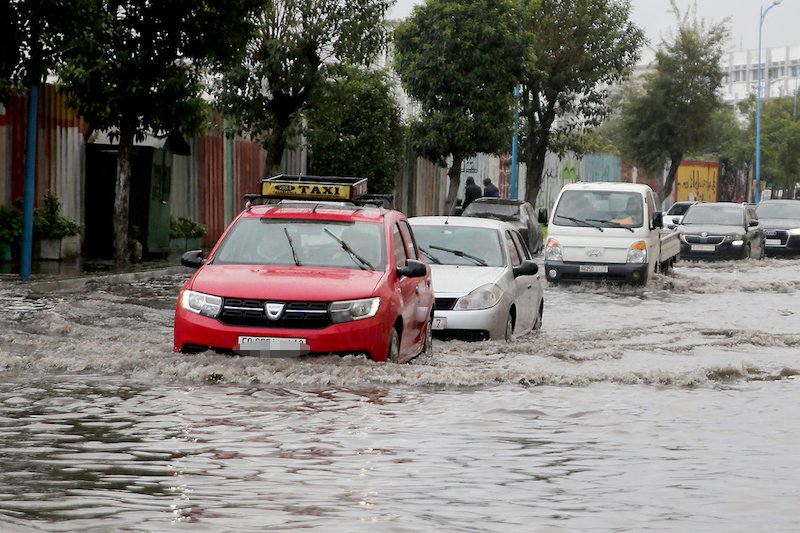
(333, 211)
(723, 204)
(460, 221)
(494, 200)
(606, 185)
(779, 201)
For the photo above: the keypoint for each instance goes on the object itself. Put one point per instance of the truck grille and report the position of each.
(296, 315)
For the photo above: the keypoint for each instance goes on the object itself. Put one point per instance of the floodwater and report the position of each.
(667, 408)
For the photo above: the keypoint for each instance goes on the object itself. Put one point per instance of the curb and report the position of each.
(76, 283)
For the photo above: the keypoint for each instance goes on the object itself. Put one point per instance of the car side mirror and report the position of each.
(542, 216)
(676, 220)
(192, 259)
(658, 220)
(752, 223)
(526, 268)
(413, 269)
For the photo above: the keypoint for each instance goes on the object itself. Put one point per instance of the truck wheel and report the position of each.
(393, 354)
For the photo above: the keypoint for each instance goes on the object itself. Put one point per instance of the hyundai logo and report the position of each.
(274, 310)
(594, 252)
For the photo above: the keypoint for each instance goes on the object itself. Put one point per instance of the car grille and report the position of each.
(777, 234)
(697, 239)
(297, 315)
(445, 304)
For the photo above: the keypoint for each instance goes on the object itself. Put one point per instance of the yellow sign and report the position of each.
(697, 181)
(313, 187)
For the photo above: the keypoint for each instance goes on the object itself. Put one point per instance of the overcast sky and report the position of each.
(654, 17)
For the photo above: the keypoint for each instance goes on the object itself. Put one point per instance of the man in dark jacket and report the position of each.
(489, 189)
(471, 191)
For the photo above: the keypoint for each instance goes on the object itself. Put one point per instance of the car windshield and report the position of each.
(460, 245)
(715, 214)
(317, 243)
(492, 209)
(604, 209)
(679, 209)
(779, 209)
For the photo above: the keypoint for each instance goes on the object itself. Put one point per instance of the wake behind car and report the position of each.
(309, 272)
(485, 283)
(781, 221)
(518, 213)
(721, 230)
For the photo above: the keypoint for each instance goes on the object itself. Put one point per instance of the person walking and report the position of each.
(471, 191)
(489, 189)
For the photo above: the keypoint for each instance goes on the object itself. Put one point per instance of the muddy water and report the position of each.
(672, 407)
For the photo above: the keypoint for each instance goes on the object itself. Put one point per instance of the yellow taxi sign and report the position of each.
(314, 187)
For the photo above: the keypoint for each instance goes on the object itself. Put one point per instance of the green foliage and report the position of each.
(185, 228)
(49, 223)
(672, 115)
(10, 225)
(355, 129)
(296, 47)
(460, 62)
(582, 48)
(780, 143)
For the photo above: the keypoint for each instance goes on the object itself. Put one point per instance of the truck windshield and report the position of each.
(299, 242)
(605, 209)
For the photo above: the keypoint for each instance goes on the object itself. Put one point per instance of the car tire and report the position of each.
(393, 352)
(509, 332)
(539, 316)
(427, 347)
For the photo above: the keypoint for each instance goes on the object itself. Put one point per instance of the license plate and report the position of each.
(703, 247)
(594, 269)
(772, 242)
(439, 322)
(280, 346)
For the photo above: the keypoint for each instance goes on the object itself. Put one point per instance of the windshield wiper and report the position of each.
(581, 221)
(615, 224)
(478, 260)
(429, 255)
(291, 246)
(346, 247)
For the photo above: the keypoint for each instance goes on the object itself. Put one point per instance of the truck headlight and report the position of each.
(552, 250)
(349, 310)
(483, 297)
(637, 252)
(201, 304)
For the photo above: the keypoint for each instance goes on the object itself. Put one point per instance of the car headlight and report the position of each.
(552, 250)
(637, 252)
(201, 304)
(483, 297)
(736, 240)
(794, 231)
(349, 310)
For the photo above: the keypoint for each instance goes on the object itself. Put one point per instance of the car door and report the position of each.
(523, 285)
(409, 293)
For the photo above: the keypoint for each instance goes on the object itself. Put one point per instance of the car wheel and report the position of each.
(427, 348)
(509, 335)
(393, 354)
(540, 315)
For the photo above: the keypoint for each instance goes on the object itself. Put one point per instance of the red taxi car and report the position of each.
(309, 274)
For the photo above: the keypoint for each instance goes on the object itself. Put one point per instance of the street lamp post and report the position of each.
(757, 192)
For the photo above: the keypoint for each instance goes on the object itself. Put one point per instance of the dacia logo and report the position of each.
(274, 310)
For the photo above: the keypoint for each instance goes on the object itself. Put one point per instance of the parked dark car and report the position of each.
(721, 230)
(518, 213)
(781, 221)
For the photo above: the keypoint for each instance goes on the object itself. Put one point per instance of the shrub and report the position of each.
(185, 228)
(10, 224)
(48, 223)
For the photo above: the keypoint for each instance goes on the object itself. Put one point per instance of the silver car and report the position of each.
(485, 283)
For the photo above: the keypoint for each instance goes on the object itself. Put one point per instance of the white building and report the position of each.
(779, 77)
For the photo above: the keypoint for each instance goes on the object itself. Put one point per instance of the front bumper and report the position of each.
(556, 271)
(193, 333)
(478, 323)
(722, 251)
(782, 243)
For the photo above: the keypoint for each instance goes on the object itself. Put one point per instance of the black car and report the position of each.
(721, 230)
(781, 221)
(518, 213)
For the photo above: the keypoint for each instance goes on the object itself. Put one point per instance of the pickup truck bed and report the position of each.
(670, 250)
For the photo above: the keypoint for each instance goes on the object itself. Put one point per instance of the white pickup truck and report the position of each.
(608, 232)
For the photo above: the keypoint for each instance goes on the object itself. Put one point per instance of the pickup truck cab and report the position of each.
(310, 272)
(607, 232)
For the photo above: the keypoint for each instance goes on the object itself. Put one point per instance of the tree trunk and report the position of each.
(666, 190)
(536, 150)
(275, 154)
(454, 179)
(122, 254)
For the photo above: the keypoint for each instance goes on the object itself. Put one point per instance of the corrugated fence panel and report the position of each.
(595, 167)
(211, 180)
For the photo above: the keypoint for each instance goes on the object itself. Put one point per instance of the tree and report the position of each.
(460, 61)
(135, 67)
(780, 142)
(356, 129)
(672, 114)
(297, 46)
(582, 47)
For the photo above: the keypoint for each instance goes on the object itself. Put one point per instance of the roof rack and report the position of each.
(319, 188)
